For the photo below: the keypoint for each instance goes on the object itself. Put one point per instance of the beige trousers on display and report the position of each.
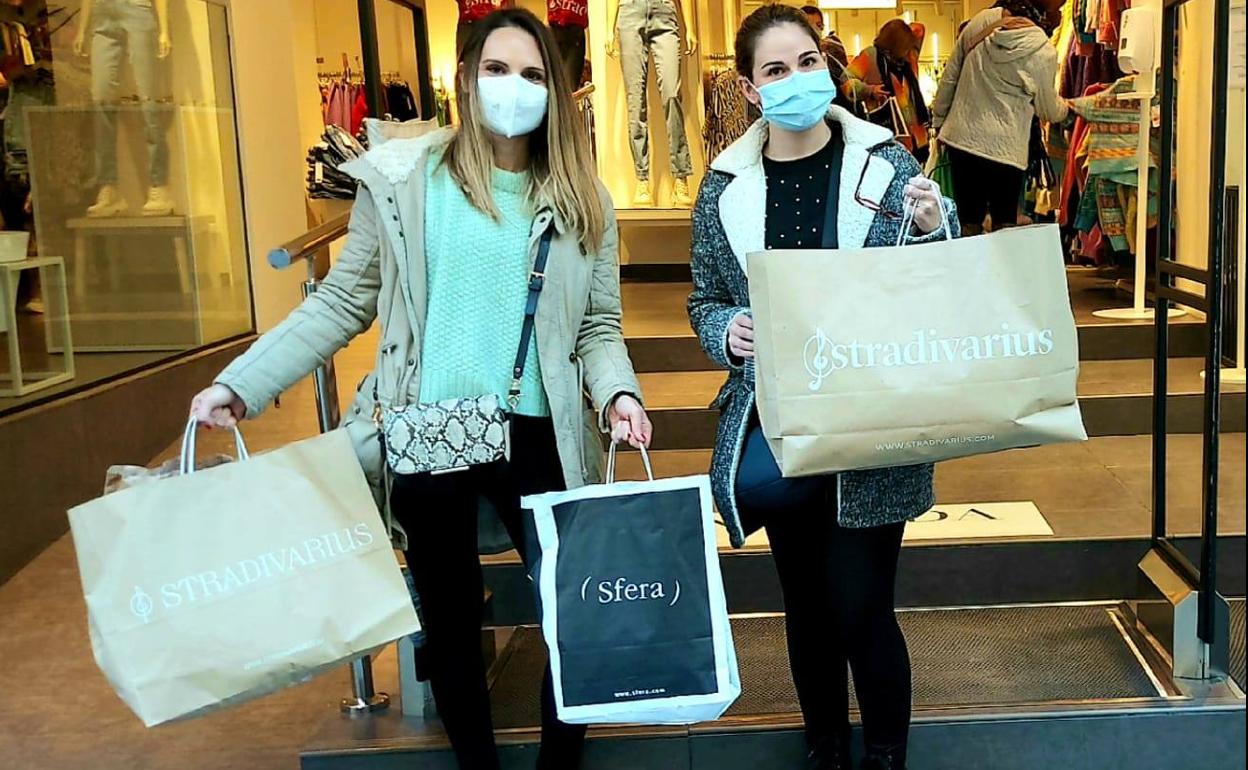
(645, 28)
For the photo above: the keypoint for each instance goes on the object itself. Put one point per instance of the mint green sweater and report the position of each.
(477, 270)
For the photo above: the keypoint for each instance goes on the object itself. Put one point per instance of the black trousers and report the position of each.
(439, 514)
(982, 186)
(838, 585)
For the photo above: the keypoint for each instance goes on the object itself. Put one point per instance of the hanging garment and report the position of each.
(570, 40)
(340, 103)
(1111, 212)
(359, 111)
(35, 89)
(1109, 23)
(1114, 136)
(400, 103)
(727, 112)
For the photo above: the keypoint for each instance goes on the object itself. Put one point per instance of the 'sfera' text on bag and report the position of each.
(624, 590)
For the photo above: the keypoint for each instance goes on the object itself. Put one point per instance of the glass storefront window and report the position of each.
(121, 160)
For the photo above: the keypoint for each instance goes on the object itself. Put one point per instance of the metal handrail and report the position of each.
(307, 246)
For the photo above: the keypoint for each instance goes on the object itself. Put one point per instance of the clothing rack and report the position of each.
(341, 75)
(1144, 90)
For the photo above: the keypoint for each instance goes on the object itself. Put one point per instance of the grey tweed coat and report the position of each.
(729, 224)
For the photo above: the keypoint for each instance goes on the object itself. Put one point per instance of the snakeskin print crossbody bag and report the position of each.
(459, 433)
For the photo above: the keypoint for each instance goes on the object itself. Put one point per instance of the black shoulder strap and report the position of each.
(832, 206)
(537, 280)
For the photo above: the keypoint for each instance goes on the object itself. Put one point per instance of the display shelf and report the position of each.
(15, 381)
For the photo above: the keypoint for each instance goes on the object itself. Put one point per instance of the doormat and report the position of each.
(979, 520)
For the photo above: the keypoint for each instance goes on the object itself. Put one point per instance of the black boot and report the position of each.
(886, 758)
(830, 753)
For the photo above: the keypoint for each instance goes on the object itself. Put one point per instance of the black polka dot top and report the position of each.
(797, 193)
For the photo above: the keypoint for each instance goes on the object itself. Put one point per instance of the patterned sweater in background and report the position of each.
(477, 272)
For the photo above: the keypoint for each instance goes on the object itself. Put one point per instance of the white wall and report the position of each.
(270, 79)
(1193, 137)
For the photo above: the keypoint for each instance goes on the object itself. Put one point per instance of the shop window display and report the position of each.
(120, 145)
(648, 30)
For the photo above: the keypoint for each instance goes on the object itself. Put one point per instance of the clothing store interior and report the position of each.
(170, 187)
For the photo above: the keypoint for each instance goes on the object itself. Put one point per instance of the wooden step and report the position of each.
(656, 326)
(1095, 497)
(1115, 396)
(1007, 688)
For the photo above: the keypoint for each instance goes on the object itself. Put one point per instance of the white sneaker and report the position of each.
(108, 203)
(159, 202)
(681, 198)
(642, 195)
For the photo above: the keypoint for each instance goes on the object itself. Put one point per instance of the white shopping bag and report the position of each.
(632, 602)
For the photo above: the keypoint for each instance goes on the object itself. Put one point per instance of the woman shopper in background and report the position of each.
(890, 69)
(835, 539)
(443, 237)
(829, 42)
(1002, 71)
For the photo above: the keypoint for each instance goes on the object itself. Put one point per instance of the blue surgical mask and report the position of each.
(800, 101)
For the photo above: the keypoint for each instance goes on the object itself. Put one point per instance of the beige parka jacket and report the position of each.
(380, 275)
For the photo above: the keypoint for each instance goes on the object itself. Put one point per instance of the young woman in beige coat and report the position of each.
(444, 233)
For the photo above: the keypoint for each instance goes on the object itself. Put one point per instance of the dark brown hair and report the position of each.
(897, 38)
(757, 23)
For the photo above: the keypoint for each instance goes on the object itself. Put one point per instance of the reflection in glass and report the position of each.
(128, 153)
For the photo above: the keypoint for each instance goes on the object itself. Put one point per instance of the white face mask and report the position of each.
(510, 105)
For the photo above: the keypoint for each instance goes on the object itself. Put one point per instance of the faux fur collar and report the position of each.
(742, 206)
(747, 152)
(396, 159)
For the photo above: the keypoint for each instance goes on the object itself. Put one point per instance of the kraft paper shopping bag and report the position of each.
(871, 358)
(217, 586)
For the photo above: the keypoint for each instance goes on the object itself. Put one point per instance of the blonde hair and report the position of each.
(562, 172)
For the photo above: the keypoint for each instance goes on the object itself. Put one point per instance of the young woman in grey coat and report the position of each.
(835, 539)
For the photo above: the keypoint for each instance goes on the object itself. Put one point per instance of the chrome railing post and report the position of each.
(364, 696)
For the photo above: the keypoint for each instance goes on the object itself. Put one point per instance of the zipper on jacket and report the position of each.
(580, 416)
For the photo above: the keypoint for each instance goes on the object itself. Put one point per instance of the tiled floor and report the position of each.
(56, 709)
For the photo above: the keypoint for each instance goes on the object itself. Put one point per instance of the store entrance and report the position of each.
(1036, 595)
